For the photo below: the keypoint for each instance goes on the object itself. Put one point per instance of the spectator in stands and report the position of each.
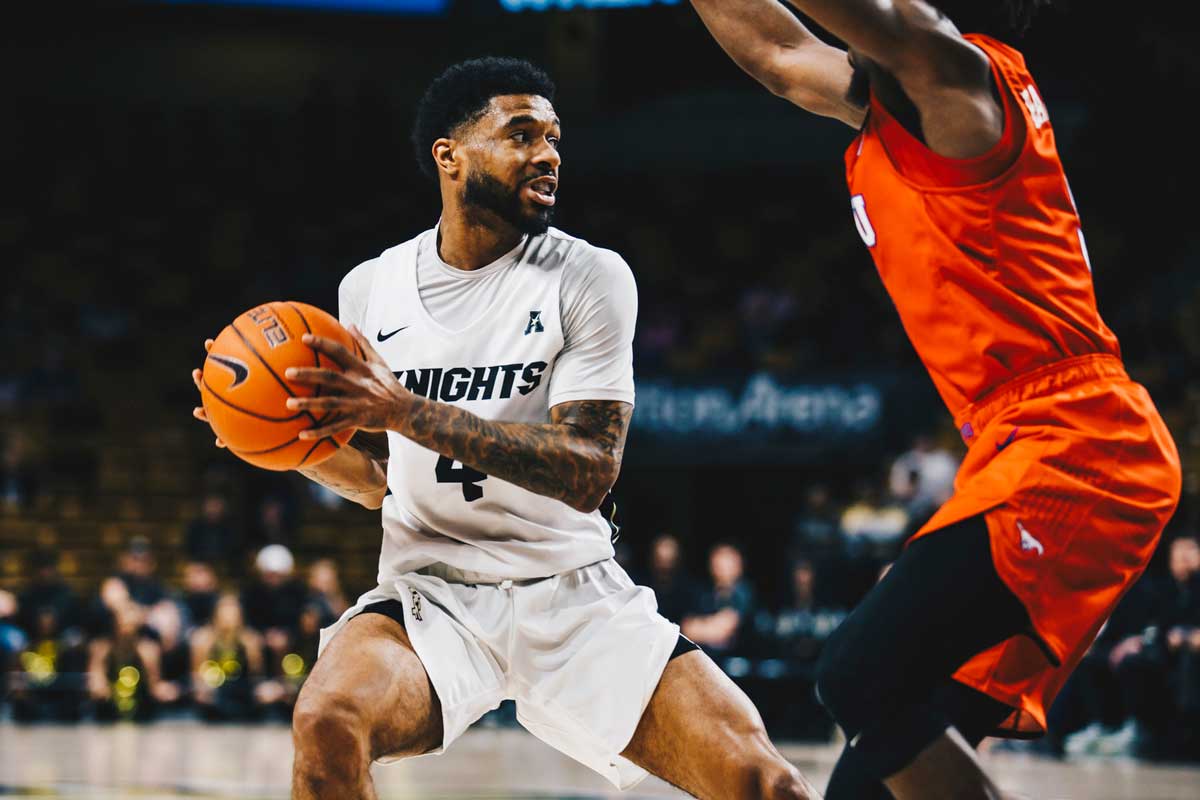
(18, 477)
(277, 696)
(325, 590)
(675, 588)
(199, 592)
(801, 627)
(273, 522)
(47, 594)
(138, 571)
(227, 663)
(815, 531)
(722, 608)
(12, 639)
(165, 622)
(872, 524)
(124, 669)
(923, 477)
(54, 655)
(1181, 626)
(273, 602)
(794, 638)
(212, 537)
(1135, 691)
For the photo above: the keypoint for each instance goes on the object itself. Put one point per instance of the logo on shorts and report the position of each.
(416, 606)
(1029, 543)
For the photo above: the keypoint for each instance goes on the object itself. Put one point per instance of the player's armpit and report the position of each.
(352, 474)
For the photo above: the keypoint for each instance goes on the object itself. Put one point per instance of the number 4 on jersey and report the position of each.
(448, 473)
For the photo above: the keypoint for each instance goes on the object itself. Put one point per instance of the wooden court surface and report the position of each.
(193, 760)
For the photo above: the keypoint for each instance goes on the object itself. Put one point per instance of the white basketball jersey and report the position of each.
(501, 367)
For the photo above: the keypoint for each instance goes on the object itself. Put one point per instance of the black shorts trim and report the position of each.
(392, 609)
(683, 645)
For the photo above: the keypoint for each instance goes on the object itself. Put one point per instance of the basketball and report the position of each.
(245, 392)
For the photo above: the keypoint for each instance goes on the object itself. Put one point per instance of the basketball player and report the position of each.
(499, 366)
(957, 190)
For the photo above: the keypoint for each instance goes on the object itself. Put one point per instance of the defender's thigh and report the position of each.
(370, 673)
(701, 733)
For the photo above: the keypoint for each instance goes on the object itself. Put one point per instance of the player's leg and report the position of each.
(971, 713)
(701, 733)
(881, 671)
(368, 696)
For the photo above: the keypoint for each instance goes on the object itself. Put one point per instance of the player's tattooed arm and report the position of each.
(774, 47)
(352, 474)
(574, 458)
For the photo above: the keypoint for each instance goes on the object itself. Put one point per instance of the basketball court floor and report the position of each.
(193, 760)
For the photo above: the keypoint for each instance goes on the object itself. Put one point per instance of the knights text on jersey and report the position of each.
(559, 328)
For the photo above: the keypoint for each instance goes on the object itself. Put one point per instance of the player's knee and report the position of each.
(783, 783)
(773, 780)
(330, 733)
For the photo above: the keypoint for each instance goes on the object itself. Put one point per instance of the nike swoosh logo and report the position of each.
(383, 337)
(238, 368)
(1012, 437)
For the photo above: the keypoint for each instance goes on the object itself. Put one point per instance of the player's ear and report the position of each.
(445, 155)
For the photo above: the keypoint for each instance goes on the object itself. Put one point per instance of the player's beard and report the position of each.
(485, 191)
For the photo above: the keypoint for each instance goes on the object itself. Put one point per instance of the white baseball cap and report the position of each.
(275, 558)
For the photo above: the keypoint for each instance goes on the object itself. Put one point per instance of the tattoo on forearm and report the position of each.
(343, 486)
(575, 459)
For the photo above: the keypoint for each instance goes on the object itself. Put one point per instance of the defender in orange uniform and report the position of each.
(957, 189)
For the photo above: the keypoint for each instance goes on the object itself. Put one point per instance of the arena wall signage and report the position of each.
(760, 416)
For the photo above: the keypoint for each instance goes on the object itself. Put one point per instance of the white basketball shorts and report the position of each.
(580, 653)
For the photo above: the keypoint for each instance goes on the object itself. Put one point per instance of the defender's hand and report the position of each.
(197, 375)
(364, 395)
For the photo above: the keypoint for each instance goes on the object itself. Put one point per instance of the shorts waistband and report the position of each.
(1047, 380)
(454, 575)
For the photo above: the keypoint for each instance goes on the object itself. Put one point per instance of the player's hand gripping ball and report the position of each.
(244, 388)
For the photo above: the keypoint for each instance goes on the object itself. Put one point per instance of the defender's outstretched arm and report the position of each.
(947, 78)
(767, 41)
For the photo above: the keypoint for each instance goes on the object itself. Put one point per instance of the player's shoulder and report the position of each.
(997, 51)
(578, 258)
(358, 280)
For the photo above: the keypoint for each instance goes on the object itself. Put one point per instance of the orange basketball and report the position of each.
(245, 392)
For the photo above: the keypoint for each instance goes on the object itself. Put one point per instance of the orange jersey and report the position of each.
(984, 258)
(1069, 463)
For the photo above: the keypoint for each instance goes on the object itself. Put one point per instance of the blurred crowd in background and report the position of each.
(232, 630)
(145, 574)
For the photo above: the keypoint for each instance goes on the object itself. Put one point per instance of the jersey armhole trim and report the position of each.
(922, 168)
(602, 394)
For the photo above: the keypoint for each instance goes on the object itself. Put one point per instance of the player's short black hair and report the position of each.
(461, 94)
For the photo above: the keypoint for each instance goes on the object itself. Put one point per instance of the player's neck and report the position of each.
(466, 244)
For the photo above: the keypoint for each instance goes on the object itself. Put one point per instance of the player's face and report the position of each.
(513, 161)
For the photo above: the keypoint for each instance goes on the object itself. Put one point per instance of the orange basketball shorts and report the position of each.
(1076, 475)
